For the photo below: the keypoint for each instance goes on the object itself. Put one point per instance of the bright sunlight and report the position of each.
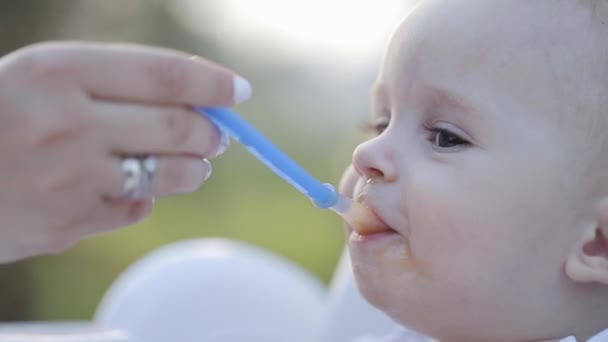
(347, 30)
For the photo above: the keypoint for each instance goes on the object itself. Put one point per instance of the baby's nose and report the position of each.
(375, 159)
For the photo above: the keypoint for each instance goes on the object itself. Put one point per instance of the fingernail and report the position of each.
(242, 89)
(224, 143)
(209, 169)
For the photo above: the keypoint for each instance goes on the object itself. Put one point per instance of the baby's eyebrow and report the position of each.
(437, 97)
(445, 98)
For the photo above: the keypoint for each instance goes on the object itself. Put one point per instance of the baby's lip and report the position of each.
(365, 220)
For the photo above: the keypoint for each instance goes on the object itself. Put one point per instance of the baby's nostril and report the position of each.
(374, 173)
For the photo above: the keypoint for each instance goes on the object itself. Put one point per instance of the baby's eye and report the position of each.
(445, 139)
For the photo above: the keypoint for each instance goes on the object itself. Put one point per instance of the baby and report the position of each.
(488, 171)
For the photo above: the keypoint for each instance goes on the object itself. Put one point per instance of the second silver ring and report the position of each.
(138, 173)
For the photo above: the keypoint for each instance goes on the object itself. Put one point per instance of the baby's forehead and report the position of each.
(476, 30)
(538, 51)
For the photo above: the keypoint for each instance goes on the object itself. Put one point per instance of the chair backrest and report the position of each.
(222, 291)
(214, 290)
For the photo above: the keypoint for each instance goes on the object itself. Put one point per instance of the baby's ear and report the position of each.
(588, 261)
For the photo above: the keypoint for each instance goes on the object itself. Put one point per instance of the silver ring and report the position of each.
(149, 165)
(138, 174)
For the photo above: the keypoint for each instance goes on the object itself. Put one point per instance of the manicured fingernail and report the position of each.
(242, 89)
(224, 143)
(209, 169)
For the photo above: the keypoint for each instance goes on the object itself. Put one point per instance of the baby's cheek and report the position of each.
(463, 247)
(443, 230)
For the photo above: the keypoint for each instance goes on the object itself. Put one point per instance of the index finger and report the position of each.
(126, 72)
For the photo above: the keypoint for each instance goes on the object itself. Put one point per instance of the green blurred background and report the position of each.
(311, 64)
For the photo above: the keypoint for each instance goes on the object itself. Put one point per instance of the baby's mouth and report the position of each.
(362, 218)
(365, 221)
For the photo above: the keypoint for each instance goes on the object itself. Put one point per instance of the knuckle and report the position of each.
(17, 130)
(175, 178)
(64, 121)
(179, 129)
(220, 90)
(62, 118)
(31, 130)
(223, 89)
(182, 177)
(42, 60)
(60, 128)
(64, 182)
(171, 76)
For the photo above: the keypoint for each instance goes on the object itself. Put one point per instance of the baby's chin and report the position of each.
(380, 266)
(391, 282)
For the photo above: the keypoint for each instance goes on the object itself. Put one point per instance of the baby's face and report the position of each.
(474, 169)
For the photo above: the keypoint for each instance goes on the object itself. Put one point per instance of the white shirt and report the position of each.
(403, 335)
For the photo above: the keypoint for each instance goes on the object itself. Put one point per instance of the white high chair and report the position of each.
(219, 291)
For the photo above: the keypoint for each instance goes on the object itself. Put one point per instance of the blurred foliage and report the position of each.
(242, 200)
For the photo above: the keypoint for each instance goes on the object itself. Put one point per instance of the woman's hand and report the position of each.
(71, 112)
